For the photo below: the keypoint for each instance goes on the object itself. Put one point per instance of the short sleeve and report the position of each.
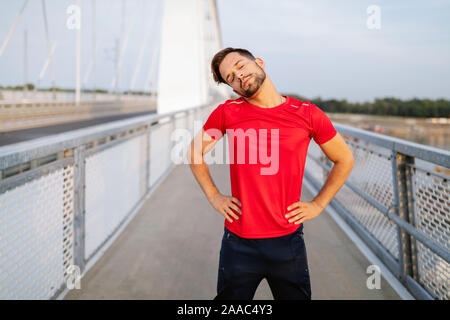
(215, 124)
(321, 126)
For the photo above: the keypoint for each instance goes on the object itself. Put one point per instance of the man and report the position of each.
(263, 234)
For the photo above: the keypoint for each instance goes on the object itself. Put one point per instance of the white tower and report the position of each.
(190, 36)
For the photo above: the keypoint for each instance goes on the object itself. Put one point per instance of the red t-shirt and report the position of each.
(266, 171)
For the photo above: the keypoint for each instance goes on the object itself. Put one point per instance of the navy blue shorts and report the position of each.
(245, 262)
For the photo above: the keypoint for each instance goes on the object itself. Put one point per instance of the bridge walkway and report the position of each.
(170, 250)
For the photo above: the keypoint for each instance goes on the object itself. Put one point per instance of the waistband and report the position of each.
(298, 231)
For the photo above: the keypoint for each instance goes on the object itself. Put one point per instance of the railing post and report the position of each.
(411, 215)
(403, 200)
(170, 142)
(147, 165)
(79, 219)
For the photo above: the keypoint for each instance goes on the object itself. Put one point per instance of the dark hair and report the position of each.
(218, 58)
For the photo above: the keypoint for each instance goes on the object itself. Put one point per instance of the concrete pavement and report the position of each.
(170, 250)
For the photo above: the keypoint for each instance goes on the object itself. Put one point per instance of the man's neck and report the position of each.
(267, 96)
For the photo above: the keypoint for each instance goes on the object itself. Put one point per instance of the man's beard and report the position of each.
(258, 79)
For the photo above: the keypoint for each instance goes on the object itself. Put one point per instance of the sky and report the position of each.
(320, 48)
(139, 15)
(324, 48)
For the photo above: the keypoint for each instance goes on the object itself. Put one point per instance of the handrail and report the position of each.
(17, 153)
(438, 156)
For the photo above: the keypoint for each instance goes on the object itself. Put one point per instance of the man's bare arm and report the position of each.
(201, 145)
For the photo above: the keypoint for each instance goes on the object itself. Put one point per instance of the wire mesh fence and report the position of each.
(62, 198)
(395, 174)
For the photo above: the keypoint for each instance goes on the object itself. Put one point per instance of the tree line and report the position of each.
(31, 87)
(390, 106)
(427, 108)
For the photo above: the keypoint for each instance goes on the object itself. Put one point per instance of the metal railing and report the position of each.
(18, 116)
(64, 197)
(397, 200)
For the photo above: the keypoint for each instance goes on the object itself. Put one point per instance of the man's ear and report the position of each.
(260, 62)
